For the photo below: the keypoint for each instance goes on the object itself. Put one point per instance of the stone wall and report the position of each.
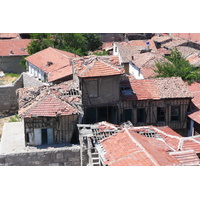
(56, 157)
(8, 97)
(11, 64)
(30, 81)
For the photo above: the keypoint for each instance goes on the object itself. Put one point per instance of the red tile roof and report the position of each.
(9, 35)
(130, 147)
(60, 62)
(191, 143)
(189, 36)
(141, 43)
(95, 66)
(48, 101)
(195, 116)
(122, 151)
(50, 106)
(60, 73)
(14, 47)
(194, 88)
(186, 157)
(160, 88)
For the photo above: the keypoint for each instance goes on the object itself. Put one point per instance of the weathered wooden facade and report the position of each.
(171, 112)
(51, 130)
(99, 81)
(157, 102)
(50, 114)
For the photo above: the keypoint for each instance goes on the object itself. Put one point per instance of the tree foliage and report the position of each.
(177, 66)
(79, 43)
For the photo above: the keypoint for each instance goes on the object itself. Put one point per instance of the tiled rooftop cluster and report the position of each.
(160, 88)
(129, 147)
(49, 101)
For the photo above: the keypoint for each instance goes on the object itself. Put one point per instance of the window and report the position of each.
(92, 88)
(128, 115)
(115, 49)
(141, 115)
(175, 113)
(161, 114)
(90, 115)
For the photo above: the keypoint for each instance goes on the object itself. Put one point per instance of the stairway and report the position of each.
(95, 158)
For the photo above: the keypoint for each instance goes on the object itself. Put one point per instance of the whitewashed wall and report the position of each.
(35, 71)
(135, 71)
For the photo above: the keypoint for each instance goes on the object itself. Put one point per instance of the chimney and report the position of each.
(11, 52)
(132, 57)
(49, 63)
(147, 46)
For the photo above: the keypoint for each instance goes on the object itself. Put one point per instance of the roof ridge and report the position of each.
(140, 145)
(90, 66)
(32, 107)
(110, 65)
(56, 50)
(119, 159)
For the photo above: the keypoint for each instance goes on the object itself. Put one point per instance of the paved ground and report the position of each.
(12, 137)
(2, 121)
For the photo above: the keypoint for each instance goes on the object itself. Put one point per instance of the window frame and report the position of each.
(87, 86)
(159, 116)
(178, 115)
(144, 113)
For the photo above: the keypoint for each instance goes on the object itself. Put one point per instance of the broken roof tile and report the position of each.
(159, 88)
(96, 66)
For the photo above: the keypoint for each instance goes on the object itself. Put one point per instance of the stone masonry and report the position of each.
(8, 97)
(64, 156)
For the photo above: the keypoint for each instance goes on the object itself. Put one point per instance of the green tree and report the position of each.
(93, 41)
(39, 42)
(177, 66)
(79, 43)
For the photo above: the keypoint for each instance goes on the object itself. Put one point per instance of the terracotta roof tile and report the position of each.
(173, 87)
(194, 88)
(50, 106)
(14, 47)
(130, 147)
(189, 36)
(191, 143)
(95, 66)
(9, 35)
(60, 62)
(160, 88)
(186, 157)
(195, 116)
(130, 48)
(48, 100)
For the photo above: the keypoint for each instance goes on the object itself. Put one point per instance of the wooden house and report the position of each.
(159, 102)
(50, 114)
(98, 77)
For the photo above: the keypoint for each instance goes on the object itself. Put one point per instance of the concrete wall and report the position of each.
(56, 157)
(11, 64)
(30, 81)
(8, 97)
